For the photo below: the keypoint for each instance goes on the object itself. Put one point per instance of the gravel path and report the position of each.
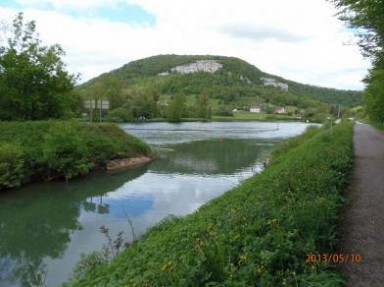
(363, 220)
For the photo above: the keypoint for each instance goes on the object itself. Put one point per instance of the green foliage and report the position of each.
(175, 109)
(255, 235)
(374, 96)
(121, 114)
(46, 150)
(328, 95)
(291, 143)
(12, 166)
(64, 152)
(145, 104)
(203, 107)
(33, 81)
(223, 112)
(94, 259)
(367, 18)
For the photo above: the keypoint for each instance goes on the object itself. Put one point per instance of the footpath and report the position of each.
(363, 219)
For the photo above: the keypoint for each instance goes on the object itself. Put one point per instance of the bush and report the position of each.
(64, 152)
(12, 166)
(121, 114)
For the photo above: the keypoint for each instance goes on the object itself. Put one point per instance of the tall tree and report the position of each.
(367, 17)
(176, 107)
(33, 81)
(203, 106)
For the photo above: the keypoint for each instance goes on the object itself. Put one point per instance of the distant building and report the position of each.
(274, 83)
(255, 109)
(280, 110)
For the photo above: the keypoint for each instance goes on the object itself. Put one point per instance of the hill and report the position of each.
(229, 83)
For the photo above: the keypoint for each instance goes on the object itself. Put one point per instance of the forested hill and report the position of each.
(233, 80)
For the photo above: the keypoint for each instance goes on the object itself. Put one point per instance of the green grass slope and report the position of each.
(258, 234)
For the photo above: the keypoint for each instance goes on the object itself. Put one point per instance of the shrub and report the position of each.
(64, 152)
(12, 166)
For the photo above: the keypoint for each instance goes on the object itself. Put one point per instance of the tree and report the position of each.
(144, 105)
(203, 107)
(33, 81)
(176, 107)
(367, 17)
(374, 95)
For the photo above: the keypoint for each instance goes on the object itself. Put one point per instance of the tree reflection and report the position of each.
(36, 222)
(220, 156)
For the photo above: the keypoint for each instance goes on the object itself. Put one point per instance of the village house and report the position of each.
(280, 110)
(255, 109)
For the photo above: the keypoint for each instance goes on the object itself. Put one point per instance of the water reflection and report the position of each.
(220, 156)
(36, 222)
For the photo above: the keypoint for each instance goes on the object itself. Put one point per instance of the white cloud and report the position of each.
(71, 4)
(300, 40)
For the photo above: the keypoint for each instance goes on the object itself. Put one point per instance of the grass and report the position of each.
(257, 234)
(46, 150)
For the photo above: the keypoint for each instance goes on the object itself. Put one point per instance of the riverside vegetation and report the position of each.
(46, 150)
(257, 234)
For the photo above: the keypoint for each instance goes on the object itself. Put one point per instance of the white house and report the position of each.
(255, 109)
(281, 110)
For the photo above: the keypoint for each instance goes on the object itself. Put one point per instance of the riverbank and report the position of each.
(50, 150)
(260, 233)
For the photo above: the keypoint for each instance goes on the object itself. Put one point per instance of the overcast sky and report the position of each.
(300, 40)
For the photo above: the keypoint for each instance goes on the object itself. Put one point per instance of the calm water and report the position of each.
(44, 228)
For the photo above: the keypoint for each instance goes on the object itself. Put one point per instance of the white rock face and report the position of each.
(209, 66)
(274, 83)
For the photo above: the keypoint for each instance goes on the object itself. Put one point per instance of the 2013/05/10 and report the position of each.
(339, 258)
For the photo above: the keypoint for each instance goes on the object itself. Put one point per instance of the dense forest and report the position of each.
(149, 87)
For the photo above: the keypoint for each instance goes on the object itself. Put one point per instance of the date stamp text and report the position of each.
(333, 258)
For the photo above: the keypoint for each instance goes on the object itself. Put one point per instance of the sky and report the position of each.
(300, 40)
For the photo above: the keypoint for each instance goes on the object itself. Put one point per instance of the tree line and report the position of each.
(367, 18)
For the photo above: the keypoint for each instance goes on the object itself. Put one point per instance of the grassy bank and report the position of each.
(46, 150)
(258, 234)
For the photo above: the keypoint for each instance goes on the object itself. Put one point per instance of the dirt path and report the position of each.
(363, 222)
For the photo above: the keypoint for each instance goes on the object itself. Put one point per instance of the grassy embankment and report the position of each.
(255, 235)
(46, 150)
